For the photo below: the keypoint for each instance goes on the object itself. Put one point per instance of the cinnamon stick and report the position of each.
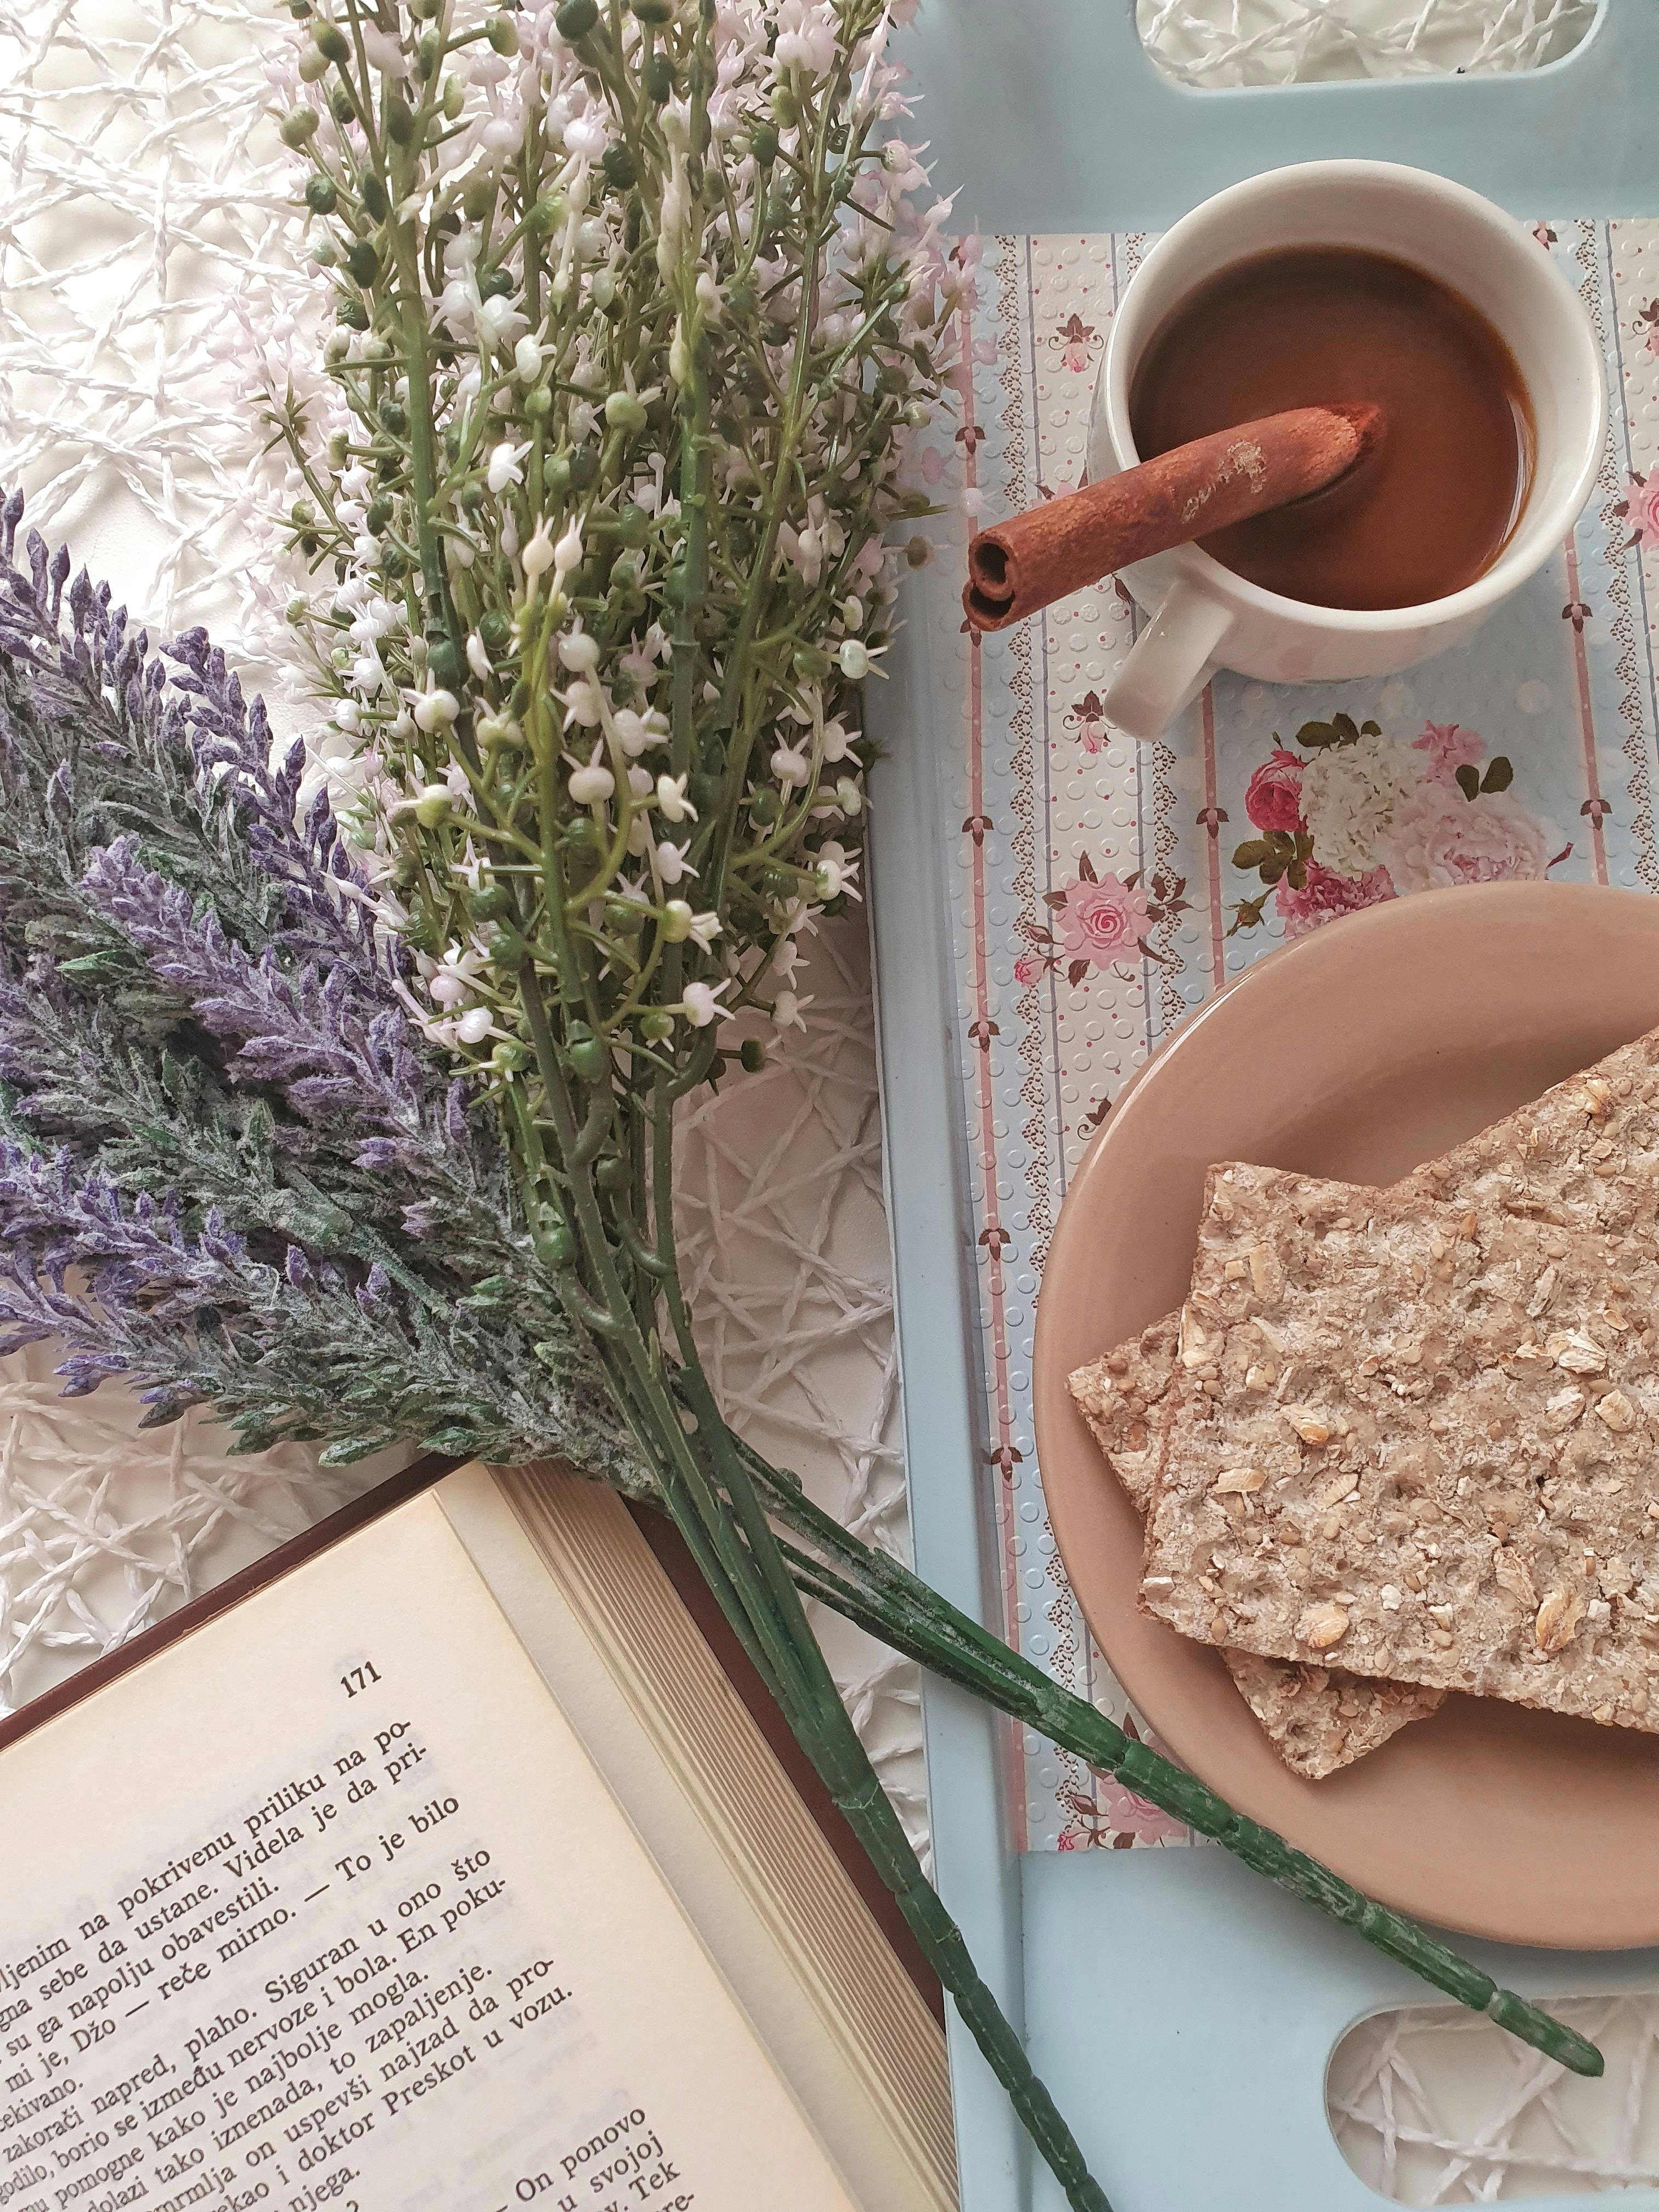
(1065, 545)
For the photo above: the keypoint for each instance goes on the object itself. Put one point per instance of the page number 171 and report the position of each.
(356, 1679)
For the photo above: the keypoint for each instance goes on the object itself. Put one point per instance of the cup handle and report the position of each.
(1169, 662)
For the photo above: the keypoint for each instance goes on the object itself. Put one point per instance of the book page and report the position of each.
(326, 1907)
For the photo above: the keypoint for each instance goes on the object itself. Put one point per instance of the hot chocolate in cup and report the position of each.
(1205, 617)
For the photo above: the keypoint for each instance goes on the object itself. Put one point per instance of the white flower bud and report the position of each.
(435, 710)
(540, 554)
(568, 553)
(474, 1026)
(476, 658)
(592, 785)
(854, 659)
(580, 652)
(676, 919)
(527, 359)
(672, 800)
(671, 862)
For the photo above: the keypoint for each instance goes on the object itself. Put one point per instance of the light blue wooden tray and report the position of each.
(1181, 2011)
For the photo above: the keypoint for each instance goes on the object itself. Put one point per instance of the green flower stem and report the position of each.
(883, 1597)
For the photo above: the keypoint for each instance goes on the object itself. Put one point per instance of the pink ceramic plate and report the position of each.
(1368, 1047)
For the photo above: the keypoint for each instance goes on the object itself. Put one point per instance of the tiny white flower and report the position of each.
(541, 554)
(580, 652)
(787, 1010)
(474, 1026)
(705, 928)
(791, 766)
(854, 659)
(499, 321)
(527, 359)
(672, 800)
(584, 705)
(590, 786)
(835, 872)
(504, 465)
(700, 1005)
(476, 658)
(568, 553)
(671, 863)
(435, 709)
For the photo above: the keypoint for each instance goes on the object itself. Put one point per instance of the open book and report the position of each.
(448, 1869)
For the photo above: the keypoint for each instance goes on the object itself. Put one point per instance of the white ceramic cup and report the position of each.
(1203, 616)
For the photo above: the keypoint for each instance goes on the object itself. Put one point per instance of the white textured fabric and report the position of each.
(144, 195)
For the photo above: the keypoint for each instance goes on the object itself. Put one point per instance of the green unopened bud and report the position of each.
(331, 42)
(394, 418)
(622, 411)
(763, 142)
(454, 98)
(503, 36)
(613, 1172)
(298, 125)
(621, 169)
(341, 105)
(538, 403)
(548, 214)
(655, 1026)
(434, 806)
(652, 11)
(320, 196)
(489, 902)
(339, 448)
(751, 1055)
(323, 253)
(313, 65)
(296, 611)
(400, 118)
(375, 202)
(352, 314)
(765, 807)
(510, 1056)
(363, 261)
(584, 468)
(676, 919)
(917, 552)
(590, 1059)
(811, 662)
(575, 18)
(558, 1247)
(658, 78)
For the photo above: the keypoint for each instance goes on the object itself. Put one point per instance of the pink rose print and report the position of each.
(1448, 747)
(1072, 341)
(1640, 506)
(1116, 1816)
(1440, 837)
(1273, 800)
(1326, 895)
(1087, 717)
(1129, 1815)
(1103, 921)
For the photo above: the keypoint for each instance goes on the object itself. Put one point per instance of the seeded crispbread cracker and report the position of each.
(1421, 1436)
(1318, 1720)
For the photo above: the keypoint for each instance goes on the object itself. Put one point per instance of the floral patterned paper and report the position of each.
(1104, 891)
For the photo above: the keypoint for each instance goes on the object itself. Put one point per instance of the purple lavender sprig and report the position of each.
(284, 1351)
